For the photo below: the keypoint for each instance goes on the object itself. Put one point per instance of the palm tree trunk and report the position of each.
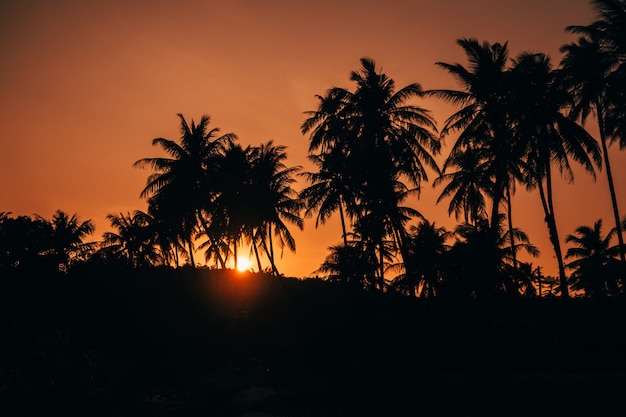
(343, 222)
(270, 252)
(618, 224)
(539, 278)
(381, 282)
(256, 251)
(235, 253)
(548, 208)
(191, 259)
(510, 221)
(205, 226)
(495, 212)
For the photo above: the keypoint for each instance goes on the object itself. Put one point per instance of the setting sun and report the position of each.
(243, 264)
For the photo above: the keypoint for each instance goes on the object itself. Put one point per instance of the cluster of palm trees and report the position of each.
(520, 122)
(216, 192)
(57, 242)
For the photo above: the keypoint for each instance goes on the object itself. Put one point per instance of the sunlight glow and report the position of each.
(243, 264)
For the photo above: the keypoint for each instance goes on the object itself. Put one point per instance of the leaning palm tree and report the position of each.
(593, 72)
(552, 139)
(180, 186)
(594, 261)
(381, 137)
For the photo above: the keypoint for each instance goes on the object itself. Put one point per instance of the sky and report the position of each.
(85, 87)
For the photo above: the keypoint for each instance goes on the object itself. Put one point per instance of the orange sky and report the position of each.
(85, 86)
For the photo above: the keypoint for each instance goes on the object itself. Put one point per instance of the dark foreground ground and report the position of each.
(181, 343)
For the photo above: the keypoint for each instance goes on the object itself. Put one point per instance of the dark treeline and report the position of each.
(520, 124)
(119, 341)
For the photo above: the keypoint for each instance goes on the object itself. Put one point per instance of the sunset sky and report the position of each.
(86, 85)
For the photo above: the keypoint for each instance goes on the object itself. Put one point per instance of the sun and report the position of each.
(243, 264)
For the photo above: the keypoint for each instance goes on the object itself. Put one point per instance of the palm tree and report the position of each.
(329, 190)
(230, 209)
(351, 265)
(428, 251)
(595, 262)
(483, 120)
(486, 143)
(479, 269)
(181, 185)
(135, 238)
(66, 238)
(467, 185)
(551, 137)
(380, 137)
(253, 198)
(275, 200)
(594, 69)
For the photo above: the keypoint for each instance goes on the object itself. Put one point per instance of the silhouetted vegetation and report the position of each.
(112, 340)
(408, 317)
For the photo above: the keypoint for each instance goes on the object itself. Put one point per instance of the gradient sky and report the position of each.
(86, 85)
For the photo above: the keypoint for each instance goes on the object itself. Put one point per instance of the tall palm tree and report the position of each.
(381, 137)
(230, 209)
(552, 139)
(483, 118)
(181, 184)
(594, 261)
(275, 199)
(593, 71)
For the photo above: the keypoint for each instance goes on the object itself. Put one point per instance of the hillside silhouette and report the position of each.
(181, 342)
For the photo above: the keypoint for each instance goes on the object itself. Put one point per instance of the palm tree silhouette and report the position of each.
(180, 187)
(230, 209)
(466, 186)
(427, 260)
(275, 200)
(595, 261)
(351, 265)
(66, 238)
(253, 198)
(551, 137)
(488, 271)
(329, 190)
(135, 239)
(483, 123)
(382, 139)
(594, 71)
